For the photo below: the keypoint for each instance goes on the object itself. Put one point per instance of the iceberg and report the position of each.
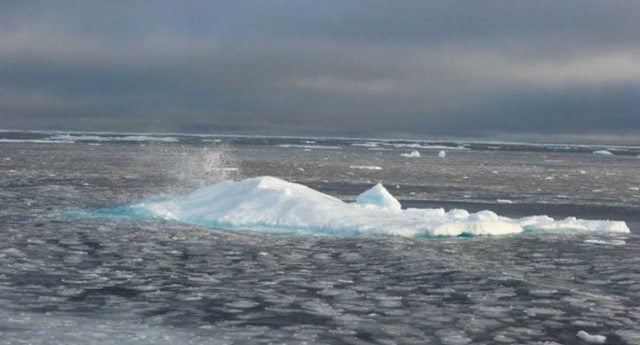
(603, 153)
(272, 204)
(379, 196)
(412, 154)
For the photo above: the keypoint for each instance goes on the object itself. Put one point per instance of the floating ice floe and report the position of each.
(427, 146)
(107, 138)
(319, 147)
(36, 141)
(605, 242)
(412, 154)
(365, 167)
(591, 338)
(603, 153)
(272, 204)
(369, 144)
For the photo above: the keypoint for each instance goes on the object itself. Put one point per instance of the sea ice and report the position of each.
(603, 153)
(412, 154)
(603, 242)
(380, 197)
(36, 141)
(546, 223)
(428, 146)
(365, 167)
(269, 203)
(309, 147)
(135, 138)
(369, 144)
(591, 338)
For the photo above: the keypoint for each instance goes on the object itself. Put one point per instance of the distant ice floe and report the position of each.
(427, 146)
(107, 138)
(412, 154)
(36, 141)
(73, 138)
(423, 146)
(603, 153)
(319, 147)
(365, 167)
(272, 204)
(605, 242)
(369, 144)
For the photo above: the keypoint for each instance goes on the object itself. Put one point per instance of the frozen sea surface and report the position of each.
(123, 281)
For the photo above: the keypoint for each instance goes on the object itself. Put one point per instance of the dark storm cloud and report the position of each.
(329, 67)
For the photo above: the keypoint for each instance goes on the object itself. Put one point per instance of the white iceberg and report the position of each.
(412, 154)
(591, 338)
(272, 204)
(603, 153)
(380, 197)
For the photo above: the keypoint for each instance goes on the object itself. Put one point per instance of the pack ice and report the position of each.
(272, 204)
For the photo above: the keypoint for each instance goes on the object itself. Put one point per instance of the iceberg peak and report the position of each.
(380, 197)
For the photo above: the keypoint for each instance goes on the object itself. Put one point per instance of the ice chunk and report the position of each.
(369, 144)
(545, 223)
(442, 154)
(380, 197)
(309, 147)
(591, 338)
(604, 242)
(365, 167)
(603, 153)
(412, 154)
(269, 203)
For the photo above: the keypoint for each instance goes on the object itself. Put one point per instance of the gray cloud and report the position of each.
(464, 68)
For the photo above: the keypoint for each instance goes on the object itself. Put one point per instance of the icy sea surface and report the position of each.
(121, 280)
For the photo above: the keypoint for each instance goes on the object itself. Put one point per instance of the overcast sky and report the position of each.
(492, 69)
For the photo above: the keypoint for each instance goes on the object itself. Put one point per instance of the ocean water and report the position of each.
(123, 280)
